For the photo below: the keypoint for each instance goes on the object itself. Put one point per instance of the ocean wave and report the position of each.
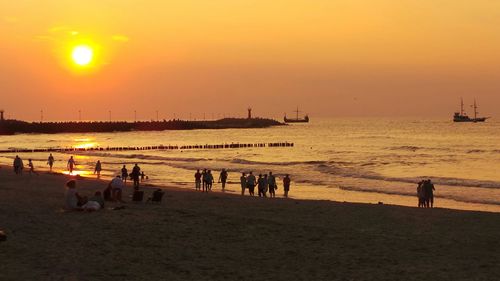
(369, 175)
(405, 147)
(250, 162)
(412, 194)
(476, 151)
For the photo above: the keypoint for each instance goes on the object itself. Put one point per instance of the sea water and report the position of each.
(353, 160)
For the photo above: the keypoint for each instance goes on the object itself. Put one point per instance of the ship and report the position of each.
(463, 117)
(296, 119)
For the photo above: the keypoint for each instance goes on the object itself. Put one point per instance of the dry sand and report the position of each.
(197, 236)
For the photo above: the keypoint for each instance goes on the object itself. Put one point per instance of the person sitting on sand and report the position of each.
(50, 162)
(73, 200)
(197, 180)
(71, 165)
(223, 178)
(251, 182)
(271, 180)
(421, 194)
(98, 168)
(117, 186)
(286, 185)
(32, 167)
(243, 181)
(94, 203)
(124, 174)
(107, 194)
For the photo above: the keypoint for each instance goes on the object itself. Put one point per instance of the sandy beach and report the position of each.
(197, 236)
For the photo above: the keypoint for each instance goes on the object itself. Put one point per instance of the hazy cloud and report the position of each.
(10, 19)
(120, 38)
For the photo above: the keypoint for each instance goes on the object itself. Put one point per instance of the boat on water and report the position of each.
(296, 119)
(463, 117)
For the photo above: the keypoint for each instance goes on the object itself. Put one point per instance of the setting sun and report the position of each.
(82, 55)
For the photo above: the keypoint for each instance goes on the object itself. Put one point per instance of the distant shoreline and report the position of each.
(11, 127)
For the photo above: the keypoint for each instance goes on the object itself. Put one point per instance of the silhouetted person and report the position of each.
(18, 165)
(32, 167)
(50, 162)
(429, 193)
(124, 174)
(143, 176)
(210, 178)
(204, 180)
(286, 185)
(197, 180)
(98, 168)
(71, 165)
(421, 194)
(262, 185)
(271, 179)
(136, 173)
(251, 182)
(223, 178)
(243, 181)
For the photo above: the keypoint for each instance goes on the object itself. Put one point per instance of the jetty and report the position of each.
(10, 127)
(152, 147)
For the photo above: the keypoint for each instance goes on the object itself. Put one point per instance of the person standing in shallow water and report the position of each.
(223, 178)
(204, 180)
(98, 168)
(243, 181)
(32, 167)
(271, 179)
(262, 185)
(210, 178)
(18, 165)
(124, 175)
(197, 180)
(286, 185)
(251, 182)
(429, 193)
(136, 173)
(50, 162)
(421, 194)
(71, 165)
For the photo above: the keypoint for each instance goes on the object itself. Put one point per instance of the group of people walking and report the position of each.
(265, 183)
(425, 193)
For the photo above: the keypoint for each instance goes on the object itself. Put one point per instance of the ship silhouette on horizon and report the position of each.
(463, 117)
(296, 119)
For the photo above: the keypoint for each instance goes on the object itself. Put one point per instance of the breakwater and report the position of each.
(153, 147)
(10, 127)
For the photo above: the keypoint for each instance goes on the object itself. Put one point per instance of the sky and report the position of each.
(332, 58)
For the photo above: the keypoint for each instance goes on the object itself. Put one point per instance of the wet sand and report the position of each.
(216, 236)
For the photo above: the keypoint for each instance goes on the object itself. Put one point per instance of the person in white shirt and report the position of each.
(117, 186)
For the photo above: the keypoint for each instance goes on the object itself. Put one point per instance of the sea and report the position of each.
(362, 160)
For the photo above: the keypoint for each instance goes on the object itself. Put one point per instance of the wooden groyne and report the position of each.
(153, 147)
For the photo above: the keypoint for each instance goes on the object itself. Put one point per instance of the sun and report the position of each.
(82, 55)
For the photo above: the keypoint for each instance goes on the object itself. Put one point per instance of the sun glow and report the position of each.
(82, 55)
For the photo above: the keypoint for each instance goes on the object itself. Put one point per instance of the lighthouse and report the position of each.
(249, 113)
(1, 115)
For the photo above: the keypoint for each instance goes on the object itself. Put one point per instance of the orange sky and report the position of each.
(332, 58)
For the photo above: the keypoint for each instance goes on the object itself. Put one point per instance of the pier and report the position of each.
(152, 147)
